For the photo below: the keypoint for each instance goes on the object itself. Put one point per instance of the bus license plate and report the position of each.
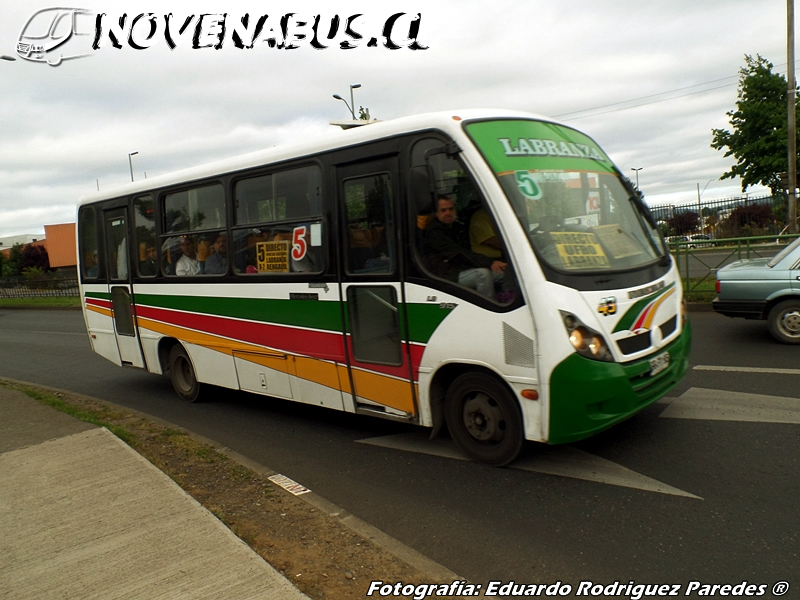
(659, 363)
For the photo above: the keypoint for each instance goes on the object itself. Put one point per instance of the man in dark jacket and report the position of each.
(448, 254)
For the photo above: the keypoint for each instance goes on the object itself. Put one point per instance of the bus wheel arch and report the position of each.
(182, 374)
(483, 416)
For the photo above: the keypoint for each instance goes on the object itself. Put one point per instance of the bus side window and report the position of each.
(279, 223)
(457, 237)
(146, 258)
(90, 243)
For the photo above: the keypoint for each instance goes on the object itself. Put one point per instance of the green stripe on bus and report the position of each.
(323, 315)
(98, 295)
(294, 313)
(423, 319)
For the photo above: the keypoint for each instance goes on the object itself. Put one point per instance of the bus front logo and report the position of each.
(607, 306)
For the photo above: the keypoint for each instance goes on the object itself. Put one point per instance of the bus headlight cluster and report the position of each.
(586, 341)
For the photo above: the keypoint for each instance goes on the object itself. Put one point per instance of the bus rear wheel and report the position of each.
(484, 420)
(182, 375)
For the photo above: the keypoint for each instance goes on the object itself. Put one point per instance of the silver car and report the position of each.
(764, 288)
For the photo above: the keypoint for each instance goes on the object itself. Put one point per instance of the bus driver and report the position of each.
(448, 253)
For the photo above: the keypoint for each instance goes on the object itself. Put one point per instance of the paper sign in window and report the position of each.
(272, 257)
(619, 243)
(580, 250)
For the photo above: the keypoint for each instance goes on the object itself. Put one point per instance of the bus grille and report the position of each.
(668, 327)
(635, 343)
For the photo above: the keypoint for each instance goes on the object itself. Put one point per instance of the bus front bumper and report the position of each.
(588, 396)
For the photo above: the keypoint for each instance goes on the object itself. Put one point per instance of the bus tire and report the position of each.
(784, 321)
(484, 419)
(182, 375)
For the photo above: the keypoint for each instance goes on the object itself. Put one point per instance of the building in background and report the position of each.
(7, 243)
(60, 245)
(58, 240)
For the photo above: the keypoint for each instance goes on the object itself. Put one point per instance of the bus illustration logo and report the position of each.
(51, 35)
(608, 306)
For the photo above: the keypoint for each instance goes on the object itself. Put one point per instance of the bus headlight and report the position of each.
(586, 341)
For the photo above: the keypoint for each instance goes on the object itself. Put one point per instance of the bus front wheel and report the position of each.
(484, 420)
(182, 375)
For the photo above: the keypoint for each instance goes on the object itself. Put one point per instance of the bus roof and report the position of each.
(447, 121)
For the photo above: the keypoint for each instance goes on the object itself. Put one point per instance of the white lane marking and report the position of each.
(747, 370)
(563, 461)
(719, 405)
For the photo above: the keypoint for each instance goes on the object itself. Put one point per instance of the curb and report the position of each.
(429, 567)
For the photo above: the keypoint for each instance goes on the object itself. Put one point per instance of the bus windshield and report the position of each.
(568, 196)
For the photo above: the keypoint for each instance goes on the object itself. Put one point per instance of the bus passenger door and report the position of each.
(378, 358)
(119, 287)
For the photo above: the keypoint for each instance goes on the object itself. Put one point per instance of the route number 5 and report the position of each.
(299, 247)
(527, 185)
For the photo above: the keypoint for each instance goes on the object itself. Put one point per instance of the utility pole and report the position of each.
(792, 119)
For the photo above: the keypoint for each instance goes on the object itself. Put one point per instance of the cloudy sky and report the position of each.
(647, 80)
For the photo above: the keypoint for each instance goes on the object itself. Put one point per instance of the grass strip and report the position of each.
(54, 302)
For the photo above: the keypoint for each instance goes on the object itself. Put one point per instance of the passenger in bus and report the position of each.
(217, 263)
(448, 253)
(203, 252)
(483, 238)
(187, 263)
(91, 264)
(149, 266)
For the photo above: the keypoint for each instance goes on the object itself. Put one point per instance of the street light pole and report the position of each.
(699, 207)
(353, 104)
(792, 124)
(351, 107)
(130, 162)
(637, 175)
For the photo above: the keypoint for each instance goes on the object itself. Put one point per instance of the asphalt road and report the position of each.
(735, 517)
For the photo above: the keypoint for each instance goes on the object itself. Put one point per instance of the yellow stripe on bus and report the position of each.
(395, 393)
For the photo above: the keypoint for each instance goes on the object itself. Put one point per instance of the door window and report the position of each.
(374, 324)
(369, 241)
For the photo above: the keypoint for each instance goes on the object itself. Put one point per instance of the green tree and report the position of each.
(684, 223)
(12, 267)
(751, 219)
(34, 256)
(758, 139)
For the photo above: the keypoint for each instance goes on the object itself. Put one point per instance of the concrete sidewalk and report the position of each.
(84, 516)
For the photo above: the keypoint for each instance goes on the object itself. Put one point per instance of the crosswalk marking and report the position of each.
(720, 405)
(564, 461)
(770, 370)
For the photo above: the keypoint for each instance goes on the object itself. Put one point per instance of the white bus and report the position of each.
(489, 271)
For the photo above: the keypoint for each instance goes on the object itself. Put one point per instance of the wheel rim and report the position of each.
(483, 418)
(790, 323)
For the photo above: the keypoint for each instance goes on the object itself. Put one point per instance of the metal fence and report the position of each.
(20, 287)
(712, 215)
(699, 260)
